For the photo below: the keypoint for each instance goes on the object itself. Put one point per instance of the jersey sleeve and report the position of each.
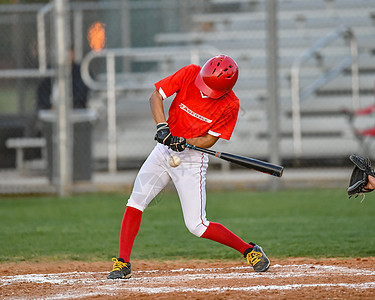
(224, 127)
(173, 83)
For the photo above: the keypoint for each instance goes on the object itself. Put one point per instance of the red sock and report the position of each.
(218, 233)
(129, 229)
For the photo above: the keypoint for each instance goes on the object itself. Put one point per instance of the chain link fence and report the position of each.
(120, 48)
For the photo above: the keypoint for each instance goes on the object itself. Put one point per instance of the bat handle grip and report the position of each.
(190, 146)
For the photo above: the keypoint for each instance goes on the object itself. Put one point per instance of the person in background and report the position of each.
(46, 91)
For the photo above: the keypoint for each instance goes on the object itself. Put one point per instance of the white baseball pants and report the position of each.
(189, 179)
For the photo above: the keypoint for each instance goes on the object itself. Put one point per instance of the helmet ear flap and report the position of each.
(217, 76)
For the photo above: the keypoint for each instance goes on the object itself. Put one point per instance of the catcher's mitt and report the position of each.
(359, 177)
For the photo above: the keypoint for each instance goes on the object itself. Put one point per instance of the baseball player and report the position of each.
(204, 109)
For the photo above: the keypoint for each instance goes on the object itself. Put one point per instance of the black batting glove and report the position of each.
(163, 134)
(178, 144)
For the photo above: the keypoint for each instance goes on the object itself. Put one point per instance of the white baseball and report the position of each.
(174, 161)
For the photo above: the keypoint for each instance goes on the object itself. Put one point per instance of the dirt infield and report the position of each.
(287, 279)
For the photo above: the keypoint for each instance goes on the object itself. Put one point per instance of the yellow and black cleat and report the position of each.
(121, 269)
(257, 258)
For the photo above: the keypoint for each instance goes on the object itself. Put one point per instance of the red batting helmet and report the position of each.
(217, 76)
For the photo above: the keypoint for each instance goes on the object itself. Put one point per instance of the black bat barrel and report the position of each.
(253, 163)
(244, 161)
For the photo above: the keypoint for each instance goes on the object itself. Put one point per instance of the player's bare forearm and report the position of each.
(157, 108)
(205, 141)
(371, 182)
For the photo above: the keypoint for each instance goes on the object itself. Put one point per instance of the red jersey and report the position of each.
(192, 114)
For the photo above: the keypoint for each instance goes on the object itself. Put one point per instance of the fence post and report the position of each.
(62, 39)
(111, 113)
(272, 85)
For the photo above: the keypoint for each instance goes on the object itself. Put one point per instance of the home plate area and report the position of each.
(286, 279)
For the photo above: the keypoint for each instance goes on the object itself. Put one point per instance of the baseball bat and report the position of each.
(244, 161)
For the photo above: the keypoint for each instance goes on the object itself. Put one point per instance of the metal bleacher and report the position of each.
(241, 33)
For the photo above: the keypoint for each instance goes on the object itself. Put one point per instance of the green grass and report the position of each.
(308, 223)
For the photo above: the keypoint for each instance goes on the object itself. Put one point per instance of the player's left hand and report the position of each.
(178, 144)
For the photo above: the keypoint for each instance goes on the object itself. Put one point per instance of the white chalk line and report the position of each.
(191, 274)
(145, 281)
(257, 288)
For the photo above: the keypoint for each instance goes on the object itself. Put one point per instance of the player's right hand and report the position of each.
(163, 134)
(178, 144)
